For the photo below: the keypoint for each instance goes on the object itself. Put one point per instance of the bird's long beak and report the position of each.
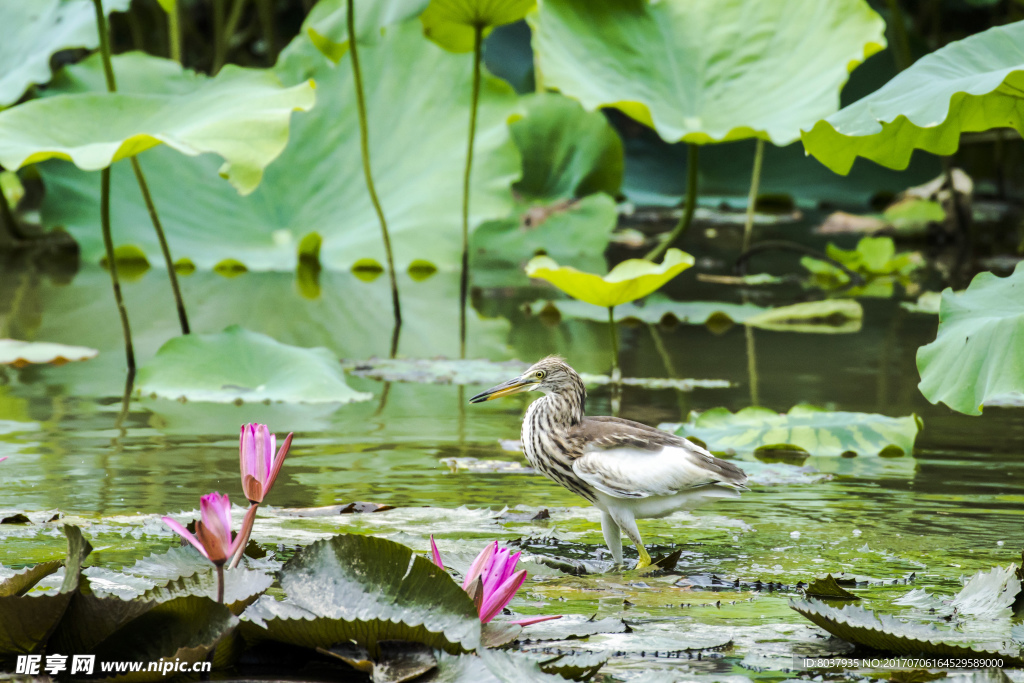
(513, 386)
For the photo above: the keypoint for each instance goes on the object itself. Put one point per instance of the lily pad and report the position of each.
(418, 171)
(969, 85)
(239, 365)
(22, 353)
(828, 588)
(804, 428)
(452, 24)
(241, 115)
(366, 590)
(327, 23)
(35, 30)
(241, 587)
(627, 281)
(709, 70)
(976, 356)
(576, 667)
(21, 582)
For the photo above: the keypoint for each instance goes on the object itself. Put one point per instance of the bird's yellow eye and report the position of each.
(539, 374)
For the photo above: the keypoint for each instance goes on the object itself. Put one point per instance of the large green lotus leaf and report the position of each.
(977, 357)
(627, 281)
(970, 85)
(452, 24)
(327, 23)
(805, 428)
(886, 633)
(707, 70)
(239, 365)
(35, 30)
(241, 115)
(365, 589)
(418, 165)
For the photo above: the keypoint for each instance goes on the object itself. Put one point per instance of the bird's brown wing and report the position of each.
(632, 460)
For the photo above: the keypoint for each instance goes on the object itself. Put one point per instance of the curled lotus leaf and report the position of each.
(628, 281)
(452, 24)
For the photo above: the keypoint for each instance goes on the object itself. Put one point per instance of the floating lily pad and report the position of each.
(828, 588)
(22, 353)
(239, 365)
(976, 356)
(366, 590)
(576, 667)
(627, 281)
(804, 428)
(241, 587)
(241, 115)
(709, 70)
(21, 582)
(969, 85)
(35, 30)
(418, 171)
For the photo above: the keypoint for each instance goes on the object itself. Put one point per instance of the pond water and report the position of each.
(950, 509)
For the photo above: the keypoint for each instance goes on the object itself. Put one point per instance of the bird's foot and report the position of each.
(645, 559)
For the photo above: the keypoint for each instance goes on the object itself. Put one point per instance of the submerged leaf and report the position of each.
(707, 70)
(239, 365)
(804, 428)
(976, 356)
(627, 281)
(22, 353)
(969, 85)
(241, 115)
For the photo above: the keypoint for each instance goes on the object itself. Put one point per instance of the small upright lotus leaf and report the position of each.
(628, 281)
(871, 256)
(453, 23)
(327, 23)
(35, 30)
(239, 365)
(241, 115)
(418, 170)
(886, 633)
(22, 353)
(367, 590)
(969, 85)
(977, 357)
(26, 621)
(707, 70)
(803, 428)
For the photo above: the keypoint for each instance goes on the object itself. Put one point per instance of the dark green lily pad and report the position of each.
(242, 587)
(366, 590)
(576, 667)
(492, 666)
(828, 588)
(571, 627)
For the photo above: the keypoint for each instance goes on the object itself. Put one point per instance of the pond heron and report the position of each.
(626, 469)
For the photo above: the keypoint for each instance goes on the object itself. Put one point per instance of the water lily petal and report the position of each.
(177, 527)
(535, 620)
(479, 564)
(247, 449)
(215, 509)
(264, 452)
(252, 488)
(278, 461)
(501, 596)
(435, 554)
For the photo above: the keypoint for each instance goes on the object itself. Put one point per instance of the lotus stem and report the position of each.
(364, 142)
(174, 32)
(101, 28)
(616, 373)
(755, 184)
(691, 206)
(755, 398)
(900, 40)
(222, 39)
(108, 244)
(478, 36)
(266, 14)
(220, 582)
(9, 219)
(166, 250)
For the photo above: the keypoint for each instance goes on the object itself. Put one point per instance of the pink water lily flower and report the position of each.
(492, 581)
(259, 465)
(213, 531)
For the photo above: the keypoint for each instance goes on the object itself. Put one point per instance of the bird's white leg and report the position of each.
(612, 535)
(627, 523)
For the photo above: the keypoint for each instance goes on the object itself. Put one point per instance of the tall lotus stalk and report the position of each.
(364, 141)
(755, 185)
(213, 533)
(259, 467)
(478, 37)
(692, 163)
(108, 70)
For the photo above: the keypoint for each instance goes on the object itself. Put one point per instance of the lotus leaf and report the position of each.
(21, 582)
(828, 588)
(977, 357)
(241, 587)
(365, 589)
(452, 24)
(35, 30)
(804, 428)
(707, 70)
(327, 23)
(241, 115)
(21, 353)
(973, 84)
(239, 365)
(417, 169)
(627, 281)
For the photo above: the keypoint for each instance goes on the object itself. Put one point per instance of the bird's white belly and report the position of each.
(654, 507)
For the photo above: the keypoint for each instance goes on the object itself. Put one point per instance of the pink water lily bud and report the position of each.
(3, 458)
(435, 554)
(258, 463)
(213, 531)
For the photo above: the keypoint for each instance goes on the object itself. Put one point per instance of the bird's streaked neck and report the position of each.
(566, 408)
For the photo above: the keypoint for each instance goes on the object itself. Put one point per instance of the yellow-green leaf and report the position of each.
(452, 24)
